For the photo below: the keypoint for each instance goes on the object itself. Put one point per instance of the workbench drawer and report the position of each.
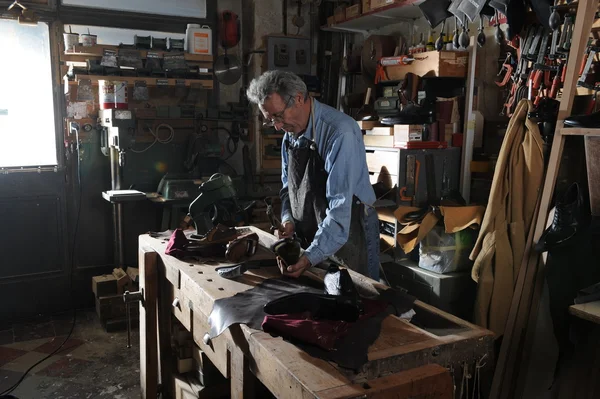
(378, 159)
(182, 308)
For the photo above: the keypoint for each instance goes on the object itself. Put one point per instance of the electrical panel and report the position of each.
(287, 53)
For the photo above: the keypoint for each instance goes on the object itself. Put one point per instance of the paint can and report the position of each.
(71, 40)
(88, 40)
(112, 94)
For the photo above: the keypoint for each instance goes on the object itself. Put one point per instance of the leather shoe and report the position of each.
(568, 220)
(590, 121)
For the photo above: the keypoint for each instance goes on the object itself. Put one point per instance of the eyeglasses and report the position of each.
(277, 117)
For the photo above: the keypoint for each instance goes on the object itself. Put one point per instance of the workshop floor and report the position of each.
(91, 364)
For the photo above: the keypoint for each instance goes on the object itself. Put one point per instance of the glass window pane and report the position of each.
(27, 124)
(176, 8)
(116, 36)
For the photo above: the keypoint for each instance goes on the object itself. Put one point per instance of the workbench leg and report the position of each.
(164, 335)
(243, 382)
(148, 325)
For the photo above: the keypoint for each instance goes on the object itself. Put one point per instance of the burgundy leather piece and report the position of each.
(180, 247)
(322, 333)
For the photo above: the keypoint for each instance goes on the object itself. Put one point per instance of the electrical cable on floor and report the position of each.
(6, 393)
(157, 139)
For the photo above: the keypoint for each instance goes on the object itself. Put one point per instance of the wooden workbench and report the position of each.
(243, 354)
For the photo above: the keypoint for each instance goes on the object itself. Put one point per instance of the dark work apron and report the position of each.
(307, 182)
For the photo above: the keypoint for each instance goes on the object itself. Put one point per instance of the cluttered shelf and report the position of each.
(81, 53)
(377, 18)
(131, 80)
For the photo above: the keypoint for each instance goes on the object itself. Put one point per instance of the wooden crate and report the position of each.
(374, 4)
(353, 11)
(366, 6)
(449, 64)
(339, 14)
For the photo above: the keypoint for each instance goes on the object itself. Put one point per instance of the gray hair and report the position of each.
(286, 84)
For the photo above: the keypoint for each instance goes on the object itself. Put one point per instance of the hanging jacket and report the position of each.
(500, 245)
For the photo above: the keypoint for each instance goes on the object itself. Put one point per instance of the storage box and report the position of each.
(374, 4)
(123, 280)
(113, 307)
(104, 285)
(353, 11)
(406, 133)
(378, 141)
(381, 131)
(339, 14)
(366, 6)
(451, 64)
(330, 20)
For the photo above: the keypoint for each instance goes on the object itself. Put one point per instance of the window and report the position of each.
(178, 8)
(27, 118)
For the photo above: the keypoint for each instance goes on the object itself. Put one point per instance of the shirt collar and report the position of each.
(308, 133)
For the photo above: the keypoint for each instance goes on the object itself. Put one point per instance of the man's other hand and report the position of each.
(288, 230)
(294, 270)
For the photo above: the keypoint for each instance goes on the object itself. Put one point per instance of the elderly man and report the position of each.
(326, 197)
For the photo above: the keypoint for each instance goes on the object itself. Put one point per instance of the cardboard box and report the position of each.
(407, 133)
(339, 14)
(123, 280)
(353, 11)
(432, 64)
(374, 4)
(104, 285)
(330, 20)
(366, 6)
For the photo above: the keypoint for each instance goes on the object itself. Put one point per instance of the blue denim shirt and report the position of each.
(339, 142)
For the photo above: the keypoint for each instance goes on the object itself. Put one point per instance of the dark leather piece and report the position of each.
(248, 307)
(180, 247)
(435, 11)
(318, 306)
(338, 282)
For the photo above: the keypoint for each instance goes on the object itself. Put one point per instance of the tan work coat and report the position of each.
(500, 245)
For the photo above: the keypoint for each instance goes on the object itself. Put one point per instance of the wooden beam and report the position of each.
(148, 325)
(517, 341)
(468, 128)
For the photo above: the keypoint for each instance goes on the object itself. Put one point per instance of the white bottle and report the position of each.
(198, 39)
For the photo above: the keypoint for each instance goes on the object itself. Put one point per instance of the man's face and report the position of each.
(283, 114)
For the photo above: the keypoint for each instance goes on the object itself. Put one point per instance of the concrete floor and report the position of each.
(91, 364)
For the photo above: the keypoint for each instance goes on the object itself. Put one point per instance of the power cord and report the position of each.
(157, 139)
(233, 138)
(8, 391)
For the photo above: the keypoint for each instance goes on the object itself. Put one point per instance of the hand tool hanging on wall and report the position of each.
(228, 68)
(409, 191)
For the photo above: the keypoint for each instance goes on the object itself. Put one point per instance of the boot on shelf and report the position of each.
(569, 219)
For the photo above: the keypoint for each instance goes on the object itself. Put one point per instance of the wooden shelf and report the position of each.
(378, 18)
(206, 83)
(588, 311)
(584, 91)
(579, 131)
(81, 53)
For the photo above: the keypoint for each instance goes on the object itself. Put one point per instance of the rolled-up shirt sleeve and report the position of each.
(286, 212)
(343, 172)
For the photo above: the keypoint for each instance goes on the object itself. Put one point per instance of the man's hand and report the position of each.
(294, 270)
(288, 230)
